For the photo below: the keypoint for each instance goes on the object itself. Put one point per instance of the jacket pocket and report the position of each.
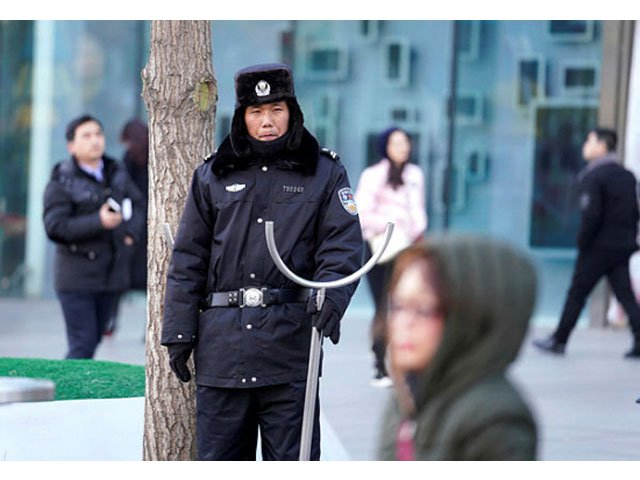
(217, 350)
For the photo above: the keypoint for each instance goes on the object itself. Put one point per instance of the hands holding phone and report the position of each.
(110, 215)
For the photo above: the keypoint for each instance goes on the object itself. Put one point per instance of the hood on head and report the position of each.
(491, 289)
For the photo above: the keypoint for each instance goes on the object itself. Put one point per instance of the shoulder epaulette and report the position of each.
(210, 157)
(330, 153)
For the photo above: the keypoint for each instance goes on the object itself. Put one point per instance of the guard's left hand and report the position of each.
(327, 320)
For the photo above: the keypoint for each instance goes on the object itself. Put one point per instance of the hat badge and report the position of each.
(263, 88)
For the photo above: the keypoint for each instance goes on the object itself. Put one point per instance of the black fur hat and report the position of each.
(270, 82)
(259, 84)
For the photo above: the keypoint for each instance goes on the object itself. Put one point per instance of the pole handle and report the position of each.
(341, 282)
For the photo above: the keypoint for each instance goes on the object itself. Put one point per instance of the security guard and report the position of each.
(249, 325)
(606, 239)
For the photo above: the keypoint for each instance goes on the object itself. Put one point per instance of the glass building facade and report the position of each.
(497, 111)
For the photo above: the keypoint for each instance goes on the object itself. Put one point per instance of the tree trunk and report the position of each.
(180, 93)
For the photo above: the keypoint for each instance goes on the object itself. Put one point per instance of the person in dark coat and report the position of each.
(606, 239)
(135, 135)
(459, 309)
(94, 213)
(248, 325)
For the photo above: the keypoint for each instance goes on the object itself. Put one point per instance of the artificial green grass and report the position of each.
(80, 379)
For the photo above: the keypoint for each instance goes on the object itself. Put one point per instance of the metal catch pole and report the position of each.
(311, 390)
(316, 336)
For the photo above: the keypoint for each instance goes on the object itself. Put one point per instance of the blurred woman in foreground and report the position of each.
(459, 308)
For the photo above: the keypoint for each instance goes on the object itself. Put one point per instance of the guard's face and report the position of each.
(268, 121)
(88, 142)
(415, 324)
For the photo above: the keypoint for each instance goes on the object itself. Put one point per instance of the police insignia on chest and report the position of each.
(348, 202)
(292, 189)
(236, 187)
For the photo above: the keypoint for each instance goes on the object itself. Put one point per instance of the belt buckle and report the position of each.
(252, 297)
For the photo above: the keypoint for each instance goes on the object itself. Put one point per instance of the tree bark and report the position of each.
(180, 93)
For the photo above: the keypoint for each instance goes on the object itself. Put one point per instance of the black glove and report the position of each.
(327, 320)
(179, 353)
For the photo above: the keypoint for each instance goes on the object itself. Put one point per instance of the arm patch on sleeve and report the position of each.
(348, 202)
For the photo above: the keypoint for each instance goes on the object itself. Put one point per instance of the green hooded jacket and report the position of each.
(464, 407)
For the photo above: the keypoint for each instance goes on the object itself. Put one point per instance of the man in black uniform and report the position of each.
(249, 325)
(95, 214)
(606, 239)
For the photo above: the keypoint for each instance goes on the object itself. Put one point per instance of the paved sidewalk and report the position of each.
(105, 429)
(584, 402)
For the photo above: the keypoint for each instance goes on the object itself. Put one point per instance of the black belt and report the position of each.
(256, 297)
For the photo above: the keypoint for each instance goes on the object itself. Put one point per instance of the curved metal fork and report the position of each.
(316, 336)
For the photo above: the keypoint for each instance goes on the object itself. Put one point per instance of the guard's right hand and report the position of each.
(108, 218)
(179, 354)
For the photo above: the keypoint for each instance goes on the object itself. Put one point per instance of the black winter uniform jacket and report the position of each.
(88, 257)
(220, 246)
(609, 204)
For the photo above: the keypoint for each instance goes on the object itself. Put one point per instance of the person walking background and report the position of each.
(94, 213)
(135, 136)
(607, 238)
(459, 309)
(392, 190)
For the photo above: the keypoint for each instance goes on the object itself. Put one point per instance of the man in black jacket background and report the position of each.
(250, 326)
(95, 214)
(606, 239)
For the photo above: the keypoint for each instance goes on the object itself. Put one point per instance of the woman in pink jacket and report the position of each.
(392, 190)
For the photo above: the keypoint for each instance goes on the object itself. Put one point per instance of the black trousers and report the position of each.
(378, 278)
(229, 418)
(86, 315)
(590, 267)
